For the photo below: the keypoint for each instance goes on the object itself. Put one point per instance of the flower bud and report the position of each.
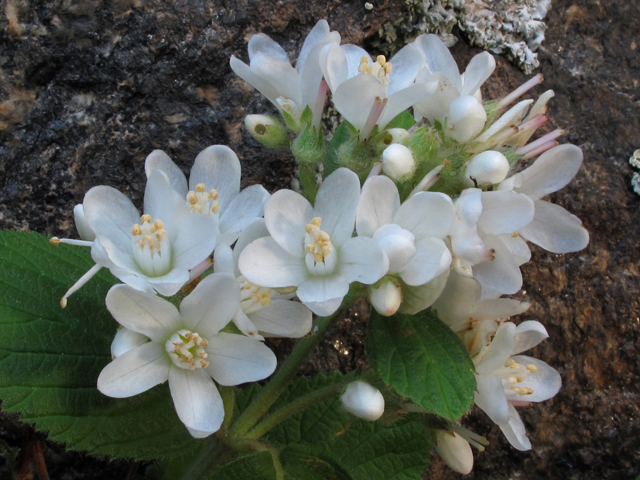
(363, 401)
(386, 297)
(126, 340)
(84, 230)
(467, 118)
(487, 168)
(397, 161)
(455, 451)
(395, 135)
(267, 130)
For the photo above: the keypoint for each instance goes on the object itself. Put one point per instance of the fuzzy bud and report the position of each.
(455, 451)
(467, 117)
(487, 168)
(84, 230)
(126, 340)
(363, 401)
(267, 130)
(395, 135)
(386, 297)
(397, 161)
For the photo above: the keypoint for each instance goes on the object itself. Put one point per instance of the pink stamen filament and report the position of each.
(374, 115)
(320, 101)
(541, 141)
(541, 149)
(521, 90)
(534, 123)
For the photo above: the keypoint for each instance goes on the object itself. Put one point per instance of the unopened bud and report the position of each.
(397, 161)
(84, 230)
(487, 168)
(386, 298)
(363, 401)
(395, 135)
(267, 130)
(455, 451)
(126, 340)
(467, 117)
(309, 147)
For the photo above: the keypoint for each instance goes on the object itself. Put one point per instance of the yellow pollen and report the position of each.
(321, 242)
(200, 187)
(213, 194)
(515, 366)
(145, 218)
(215, 207)
(204, 343)
(201, 201)
(522, 390)
(532, 368)
(158, 224)
(520, 379)
(54, 241)
(192, 198)
(135, 230)
(509, 362)
(380, 69)
(515, 234)
(310, 248)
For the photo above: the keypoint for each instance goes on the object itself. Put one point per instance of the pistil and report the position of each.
(186, 350)
(151, 248)
(200, 201)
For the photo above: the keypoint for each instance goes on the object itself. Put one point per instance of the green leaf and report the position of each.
(404, 120)
(367, 450)
(299, 463)
(50, 358)
(257, 466)
(344, 133)
(424, 360)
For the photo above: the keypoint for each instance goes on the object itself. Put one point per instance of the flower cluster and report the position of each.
(428, 209)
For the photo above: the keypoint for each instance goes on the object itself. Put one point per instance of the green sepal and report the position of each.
(343, 134)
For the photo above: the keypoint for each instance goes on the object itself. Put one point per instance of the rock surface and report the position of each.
(89, 88)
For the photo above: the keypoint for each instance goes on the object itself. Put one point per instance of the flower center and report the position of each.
(186, 350)
(320, 258)
(380, 69)
(289, 106)
(200, 201)
(151, 248)
(253, 297)
(514, 373)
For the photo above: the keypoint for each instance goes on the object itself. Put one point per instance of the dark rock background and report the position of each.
(89, 88)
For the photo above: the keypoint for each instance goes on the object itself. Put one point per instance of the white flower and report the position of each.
(290, 89)
(263, 311)
(397, 161)
(455, 451)
(214, 189)
(411, 235)
(363, 401)
(506, 379)
(187, 348)
(552, 228)
(367, 92)
(386, 297)
(126, 340)
(455, 102)
(311, 248)
(84, 230)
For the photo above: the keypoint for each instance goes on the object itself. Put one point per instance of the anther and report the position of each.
(532, 368)
(145, 218)
(135, 230)
(200, 187)
(54, 241)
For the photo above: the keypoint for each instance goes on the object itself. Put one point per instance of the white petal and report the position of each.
(502, 273)
(106, 253)
(143, 313)
(211, 305)
(555, 229)
(286, 215)
(111, 214)
(281, 75)
(528, 335)
(431, 259)
(243, 210)
(553, 170)
(217, 167)
(353, 54)
(378, 203)
(326, 308)
(317, 33)
(195, 241)
(334, 65)
(438, 58)
(256, 230)
(545, 381)
(479, 69)
(236, 359)
(468, 246)
(158, 160)
(427, 214)
(518, 247)
(515, 432)
(416, 299)
(399, 101)
(505, 212)
(84, 230)
(135, 372)
(197, 400)
(283, 318)
(264, 263)
(405, 66)
(490, 398)
(261, 44)
(246, 326)
(499, 351)
(322, 288)
(362, 260)
(311, 74)
(499, 308)
(223, 260)
(170, 283)
(336, 204)
(506, 120)
(163, 203)
(255, 80)
(468, 210)
(126, 340)
(354, 98)
(199, 433)
(398, 245)
(458, 298)
(442, 94)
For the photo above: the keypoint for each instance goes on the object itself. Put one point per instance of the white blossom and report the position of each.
(363, 401)
(187, 348)
(455, 451)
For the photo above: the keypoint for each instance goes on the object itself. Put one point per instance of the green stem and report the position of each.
(281, 379)
(209, 457)
(294, 407)
(228, 400)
